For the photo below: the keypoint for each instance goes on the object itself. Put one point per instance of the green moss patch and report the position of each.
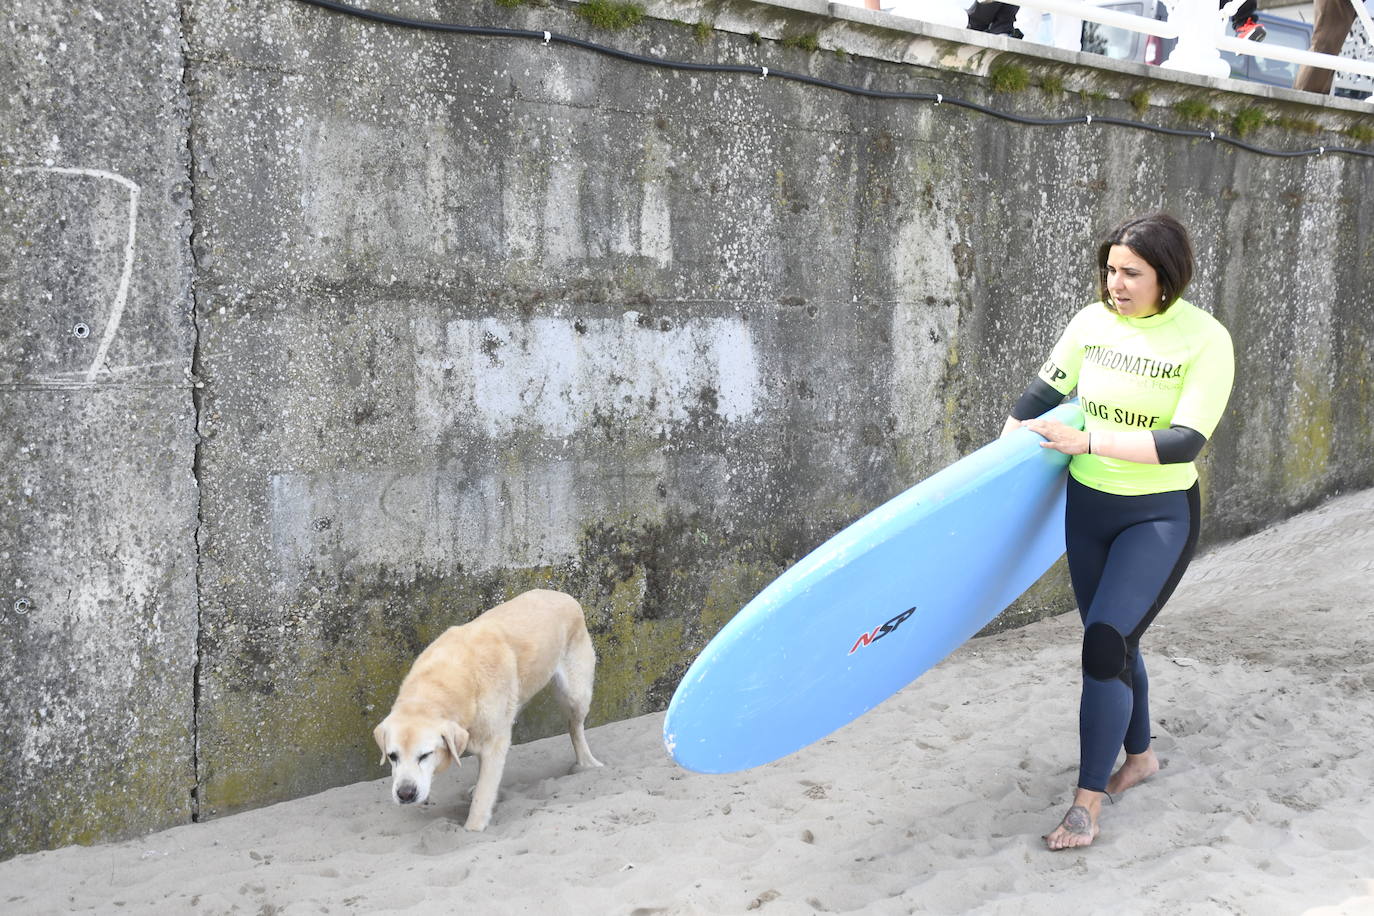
(1362, 133)
(611, 16)
(1301, 125)
(1009, 77)
(1195, 110)
(1247, 121)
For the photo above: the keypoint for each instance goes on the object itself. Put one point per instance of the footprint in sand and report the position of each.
(1339, 838)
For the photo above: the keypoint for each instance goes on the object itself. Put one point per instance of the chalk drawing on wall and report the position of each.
(121, 298)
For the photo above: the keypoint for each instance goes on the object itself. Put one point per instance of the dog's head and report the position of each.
(417, 747)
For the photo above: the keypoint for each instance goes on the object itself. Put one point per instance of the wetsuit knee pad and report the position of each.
(1105, 654)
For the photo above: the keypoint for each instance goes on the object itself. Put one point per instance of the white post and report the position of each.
(1199, 25)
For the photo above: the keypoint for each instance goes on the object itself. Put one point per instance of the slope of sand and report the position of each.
(1262, 675)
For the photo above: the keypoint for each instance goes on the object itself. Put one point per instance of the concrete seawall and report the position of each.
(324, 335)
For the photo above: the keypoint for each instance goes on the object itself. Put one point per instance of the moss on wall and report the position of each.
(1310, 430)
(149, 780)
(653, 590)
(610, 15)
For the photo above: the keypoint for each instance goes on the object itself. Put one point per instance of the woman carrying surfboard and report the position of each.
(1153, 374)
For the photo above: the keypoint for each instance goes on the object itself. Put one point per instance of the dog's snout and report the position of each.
(406, 793)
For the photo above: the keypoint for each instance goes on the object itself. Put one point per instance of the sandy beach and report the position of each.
(1262, 681)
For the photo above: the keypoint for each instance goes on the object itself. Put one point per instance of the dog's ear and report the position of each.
(379, 734)
(456, 740)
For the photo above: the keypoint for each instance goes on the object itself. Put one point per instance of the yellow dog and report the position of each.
(464, 691)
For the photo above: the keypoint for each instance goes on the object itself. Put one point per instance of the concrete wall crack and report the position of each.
(197, 399)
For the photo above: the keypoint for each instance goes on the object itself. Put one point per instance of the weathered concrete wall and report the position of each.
(97, 493)
(474, 315)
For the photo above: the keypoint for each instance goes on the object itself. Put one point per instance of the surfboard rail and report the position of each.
(873, 607)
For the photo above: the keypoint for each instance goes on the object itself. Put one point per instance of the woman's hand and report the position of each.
(1059, 437)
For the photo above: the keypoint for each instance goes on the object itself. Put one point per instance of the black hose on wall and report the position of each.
(937, 98)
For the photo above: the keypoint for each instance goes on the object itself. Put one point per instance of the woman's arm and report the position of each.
(1131, 445)
(1175, 445)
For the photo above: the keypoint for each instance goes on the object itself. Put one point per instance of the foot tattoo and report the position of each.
(1078, 822)
(1076, 829)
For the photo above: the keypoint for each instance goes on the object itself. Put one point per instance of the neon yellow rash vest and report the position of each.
(1174, 368)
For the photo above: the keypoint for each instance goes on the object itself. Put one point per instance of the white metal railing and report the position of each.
(1200, 28)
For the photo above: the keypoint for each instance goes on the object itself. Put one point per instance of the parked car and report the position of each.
(1123, 44)
(1289, 33)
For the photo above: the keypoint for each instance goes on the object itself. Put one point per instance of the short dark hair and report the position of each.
(1163, 243)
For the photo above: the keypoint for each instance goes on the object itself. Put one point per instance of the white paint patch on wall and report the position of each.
(519, 221)
(925, 336)
(359, 196)
(1319, 221)
(655, 214)
(655, 224)
(429, 518)
(107, 649)
(555, 376)
(437, 518)
(563, 240)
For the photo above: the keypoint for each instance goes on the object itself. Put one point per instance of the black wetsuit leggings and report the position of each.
(1126, 555)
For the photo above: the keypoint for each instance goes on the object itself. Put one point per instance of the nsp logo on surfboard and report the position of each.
(867, 639)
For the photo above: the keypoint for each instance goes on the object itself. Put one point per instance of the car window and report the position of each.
(1118, 44)
(1283, 32)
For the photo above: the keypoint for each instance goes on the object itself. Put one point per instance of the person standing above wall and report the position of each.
(1331, 24)
(1244, 23)
(994, 18)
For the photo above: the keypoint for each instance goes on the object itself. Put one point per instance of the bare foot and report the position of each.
(1079, 826)
(1137, 768)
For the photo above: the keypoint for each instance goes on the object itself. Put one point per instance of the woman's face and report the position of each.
(1132, 283)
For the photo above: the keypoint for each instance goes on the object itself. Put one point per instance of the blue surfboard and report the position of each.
(874, 607)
